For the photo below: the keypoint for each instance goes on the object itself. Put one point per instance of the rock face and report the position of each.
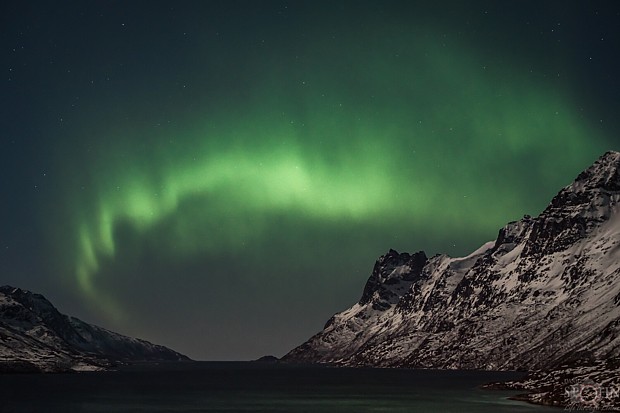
(34, 336)
(544, 294)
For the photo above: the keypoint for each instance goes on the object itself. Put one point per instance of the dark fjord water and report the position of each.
(253, 387)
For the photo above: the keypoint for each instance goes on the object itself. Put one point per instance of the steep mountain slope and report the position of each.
(545, 293)
(35, 336)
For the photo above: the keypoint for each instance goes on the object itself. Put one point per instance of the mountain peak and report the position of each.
(7, 289)
(578, 209)
(603, 174)
(392, 272)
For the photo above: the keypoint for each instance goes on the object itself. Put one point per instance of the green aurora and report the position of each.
(237, 163)
(308, 145)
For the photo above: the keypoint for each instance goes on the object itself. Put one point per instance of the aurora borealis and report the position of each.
(219, 177)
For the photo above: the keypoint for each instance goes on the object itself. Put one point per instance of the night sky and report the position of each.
(220, 176)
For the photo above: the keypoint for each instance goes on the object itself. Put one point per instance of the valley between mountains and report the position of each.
(544, 297)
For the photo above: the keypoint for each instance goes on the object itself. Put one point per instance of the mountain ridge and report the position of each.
(35, 336)
(544, 294)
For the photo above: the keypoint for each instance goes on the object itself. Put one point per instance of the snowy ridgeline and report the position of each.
(34, 336)
(545, 294)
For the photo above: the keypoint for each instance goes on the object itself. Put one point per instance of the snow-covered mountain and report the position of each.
(34, 336)
(544, 294)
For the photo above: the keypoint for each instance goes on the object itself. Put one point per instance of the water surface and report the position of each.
(254, 387)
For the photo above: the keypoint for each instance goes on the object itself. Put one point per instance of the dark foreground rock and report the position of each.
(581, 385)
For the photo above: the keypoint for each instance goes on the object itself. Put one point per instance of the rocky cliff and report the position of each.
(544, 294)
